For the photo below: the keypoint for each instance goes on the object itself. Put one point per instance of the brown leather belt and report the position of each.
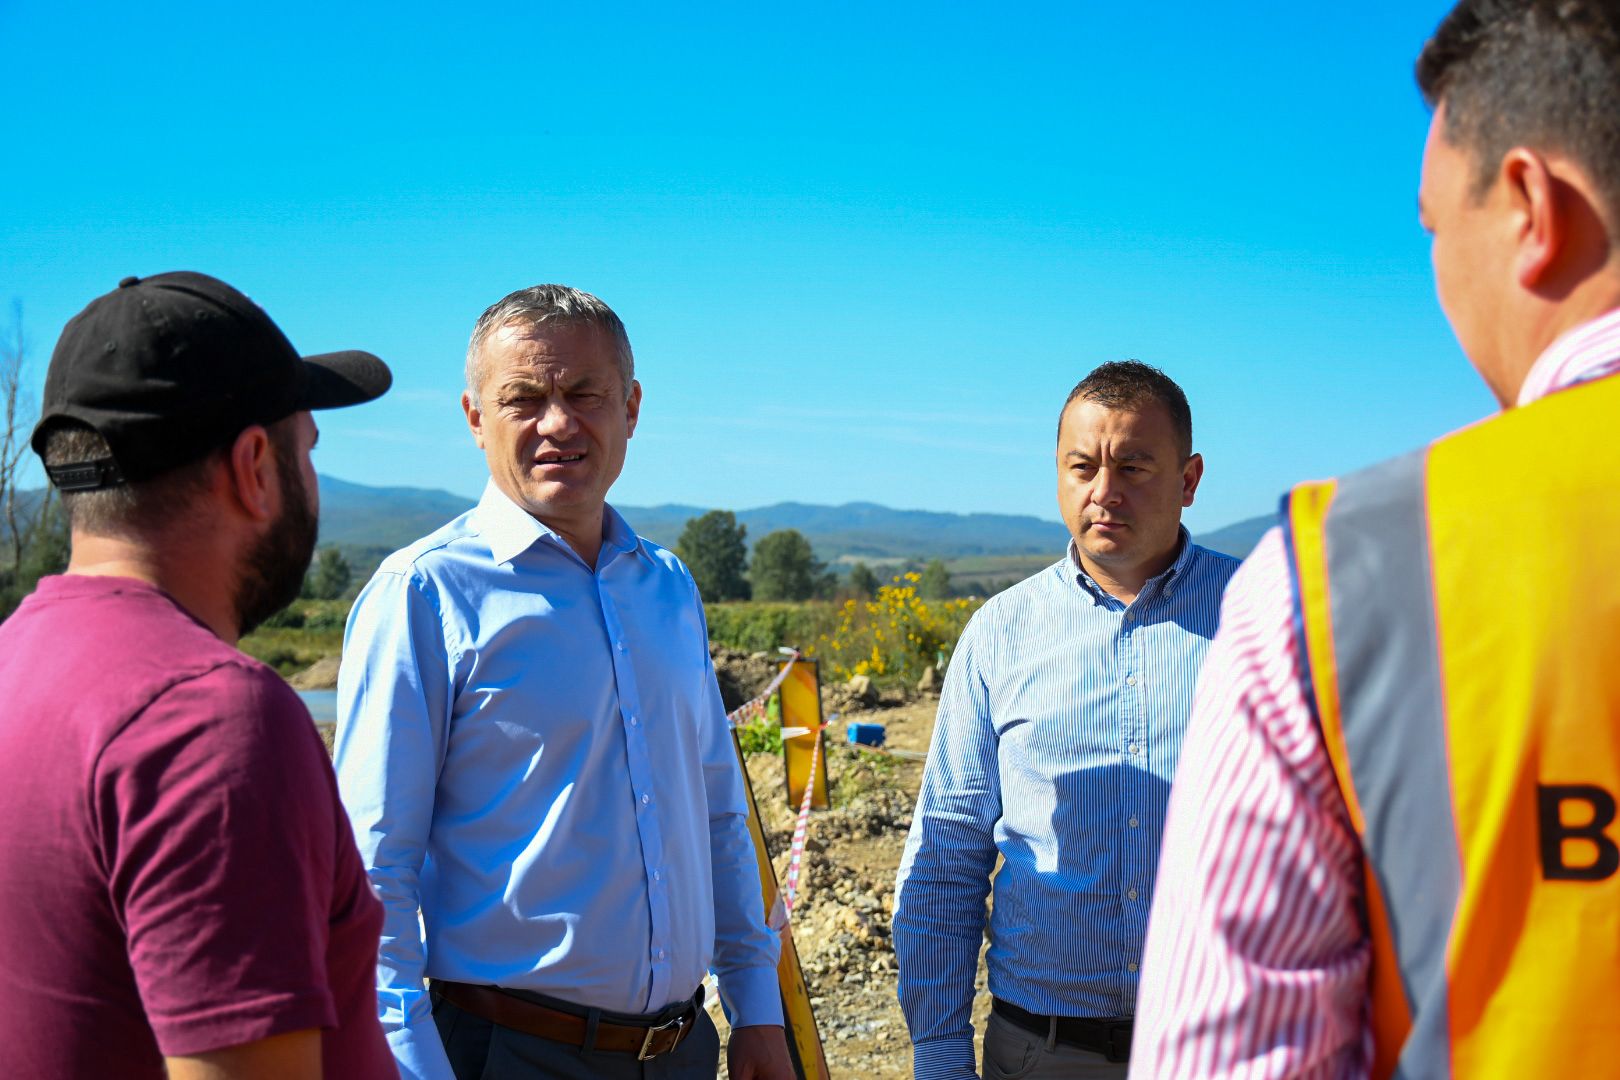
(498, 1007)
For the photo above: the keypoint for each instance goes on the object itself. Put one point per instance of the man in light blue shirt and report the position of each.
(1059, 726)
(533, 752)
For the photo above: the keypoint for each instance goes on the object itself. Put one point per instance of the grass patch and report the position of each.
(302, 633)
(857, 772)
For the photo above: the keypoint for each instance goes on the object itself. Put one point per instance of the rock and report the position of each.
(929, 683)
(321, 675)
(892, 697)
(860, 689)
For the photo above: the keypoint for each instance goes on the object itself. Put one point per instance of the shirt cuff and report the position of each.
(419, 1052)
(944, 1059)
(754, 996)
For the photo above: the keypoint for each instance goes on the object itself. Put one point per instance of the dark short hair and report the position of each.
(1538, 73)
(143, 506)
(1126, 384)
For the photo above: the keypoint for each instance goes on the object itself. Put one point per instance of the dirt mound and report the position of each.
(321, 675)
(742, 675)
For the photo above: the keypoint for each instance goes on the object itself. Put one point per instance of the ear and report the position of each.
(1191, 474)
(251, 469)
(475, 418)
(1540, 221)
(632, 408)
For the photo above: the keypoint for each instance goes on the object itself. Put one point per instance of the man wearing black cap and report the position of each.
(180, 894)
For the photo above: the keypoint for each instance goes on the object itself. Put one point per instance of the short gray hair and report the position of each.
(547, 304)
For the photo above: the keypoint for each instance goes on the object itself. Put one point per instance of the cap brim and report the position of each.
(334, 380)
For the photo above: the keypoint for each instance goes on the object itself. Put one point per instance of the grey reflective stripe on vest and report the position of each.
(1392, 711)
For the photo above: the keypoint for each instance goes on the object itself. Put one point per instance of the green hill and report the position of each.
(369, 522)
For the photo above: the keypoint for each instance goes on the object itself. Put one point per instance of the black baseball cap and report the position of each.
(170, 367)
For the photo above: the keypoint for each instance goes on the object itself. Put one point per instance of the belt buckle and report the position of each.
(678, 1025)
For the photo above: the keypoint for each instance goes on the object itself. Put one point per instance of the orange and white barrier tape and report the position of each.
(801, 828)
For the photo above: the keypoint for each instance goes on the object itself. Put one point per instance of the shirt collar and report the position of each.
(1166, 580)
(1589, 351)
(511, 530)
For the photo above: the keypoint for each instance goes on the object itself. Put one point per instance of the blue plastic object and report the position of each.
(866, 734)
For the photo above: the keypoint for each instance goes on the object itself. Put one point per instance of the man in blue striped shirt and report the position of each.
(1058, 731)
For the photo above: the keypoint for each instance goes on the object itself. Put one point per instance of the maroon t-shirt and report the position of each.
(176, 873)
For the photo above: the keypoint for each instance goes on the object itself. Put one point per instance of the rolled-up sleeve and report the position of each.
(394, 697)
(945, 872)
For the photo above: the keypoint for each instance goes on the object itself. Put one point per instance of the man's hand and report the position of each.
(758, 1052)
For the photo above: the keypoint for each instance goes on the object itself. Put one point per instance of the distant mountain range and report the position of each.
(1238, 538)
(374, 521)
(369, 522)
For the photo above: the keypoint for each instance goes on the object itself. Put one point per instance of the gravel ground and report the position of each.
(841, 922)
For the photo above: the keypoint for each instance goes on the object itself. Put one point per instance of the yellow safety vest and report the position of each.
(1460, 614)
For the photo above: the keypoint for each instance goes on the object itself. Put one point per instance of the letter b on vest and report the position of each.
(1598, 815)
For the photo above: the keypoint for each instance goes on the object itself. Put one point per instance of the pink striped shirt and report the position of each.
(1256, 958)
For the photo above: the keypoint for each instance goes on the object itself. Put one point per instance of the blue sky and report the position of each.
(863, 251)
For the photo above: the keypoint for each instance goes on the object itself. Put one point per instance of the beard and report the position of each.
(272, 571)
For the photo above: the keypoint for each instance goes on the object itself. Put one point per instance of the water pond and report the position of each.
(322, 705)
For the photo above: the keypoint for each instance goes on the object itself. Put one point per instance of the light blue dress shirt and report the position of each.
(1059, 726)
(535, 757)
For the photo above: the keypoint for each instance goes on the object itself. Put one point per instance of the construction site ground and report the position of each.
(841, 921)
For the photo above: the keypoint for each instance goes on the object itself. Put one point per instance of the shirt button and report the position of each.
(661, 956)
(634, 722)
(645, 798)
(1130, 680)
(658, 875)
(1131, 966)
(619, 645)
(1133, 748)
(1134, 823)
(1131, 894)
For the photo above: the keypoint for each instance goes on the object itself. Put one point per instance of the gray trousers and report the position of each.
(480, 1050)
(1011, 1053)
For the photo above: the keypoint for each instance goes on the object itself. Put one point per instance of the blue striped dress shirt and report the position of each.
(534, 756)
(1059, 727)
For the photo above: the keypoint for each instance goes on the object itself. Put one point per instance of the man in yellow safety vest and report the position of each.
(1392, 848)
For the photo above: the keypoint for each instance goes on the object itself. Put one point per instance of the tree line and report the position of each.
(783, 567)
(31, 524)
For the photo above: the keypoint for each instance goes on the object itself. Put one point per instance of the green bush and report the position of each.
(763, 734)
(317, 616)
(284, 658)
(327, 617)
(891, 637)
(757, 627)
(304, 632)
(288, 618)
